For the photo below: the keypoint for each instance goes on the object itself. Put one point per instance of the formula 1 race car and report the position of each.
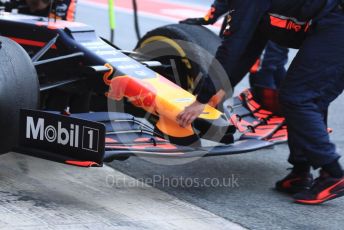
(120, 103)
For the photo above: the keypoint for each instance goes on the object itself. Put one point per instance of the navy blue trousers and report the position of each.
(314, 80)
(272, 70)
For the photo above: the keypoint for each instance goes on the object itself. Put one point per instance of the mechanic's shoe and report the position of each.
(324, 188)
(295, 182)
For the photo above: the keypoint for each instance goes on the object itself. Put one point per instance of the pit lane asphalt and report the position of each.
(252, 204)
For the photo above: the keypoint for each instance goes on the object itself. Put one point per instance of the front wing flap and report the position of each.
(90, 139)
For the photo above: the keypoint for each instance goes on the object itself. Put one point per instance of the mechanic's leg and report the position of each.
(262, 78)
(315, 78)
(275, 59)
(272, 70)
(279, 76)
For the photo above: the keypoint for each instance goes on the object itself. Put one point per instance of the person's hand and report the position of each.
(195, 21)
(190, 113)
(208, 19)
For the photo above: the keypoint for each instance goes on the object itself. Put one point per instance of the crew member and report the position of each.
(268, 71)
(314, 79)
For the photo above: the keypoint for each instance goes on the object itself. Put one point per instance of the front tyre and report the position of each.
(19, 88)
(188, 50)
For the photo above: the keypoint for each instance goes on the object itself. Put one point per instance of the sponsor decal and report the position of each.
(64, 135)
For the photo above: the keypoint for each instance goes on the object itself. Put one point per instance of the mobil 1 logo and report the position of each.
(90, 139)
(71, 137)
